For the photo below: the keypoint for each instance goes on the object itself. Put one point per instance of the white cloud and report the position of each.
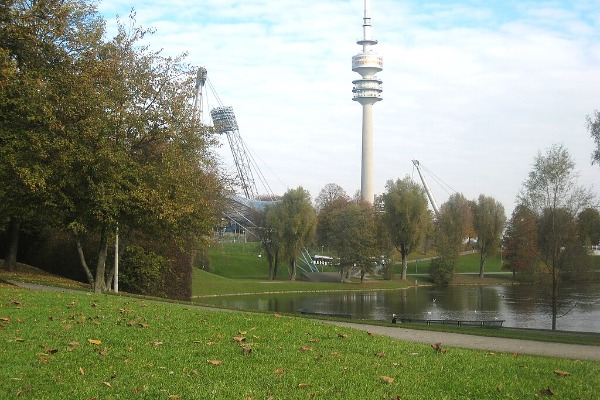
(472, 90)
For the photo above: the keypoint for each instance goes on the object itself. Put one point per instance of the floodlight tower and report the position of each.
(367, 91)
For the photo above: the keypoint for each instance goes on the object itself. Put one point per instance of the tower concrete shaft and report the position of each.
(367, 91)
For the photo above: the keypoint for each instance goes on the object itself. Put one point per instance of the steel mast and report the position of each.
(427, 190)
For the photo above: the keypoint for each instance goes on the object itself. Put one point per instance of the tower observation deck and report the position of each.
(367, 91)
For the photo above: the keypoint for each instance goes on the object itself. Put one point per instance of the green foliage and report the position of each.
(142, 271)
(97, 133)
(588, 222)
(355, 240)
(488, 222)
(81, 346)
(406, 216)
(292, 222)
(552, 193)
(441, 270)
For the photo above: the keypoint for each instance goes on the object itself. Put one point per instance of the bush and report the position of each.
(441, 270)
(142, 271)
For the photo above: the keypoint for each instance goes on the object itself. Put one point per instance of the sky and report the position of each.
(473, 89)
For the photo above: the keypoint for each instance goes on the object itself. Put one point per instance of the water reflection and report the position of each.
(519, 305)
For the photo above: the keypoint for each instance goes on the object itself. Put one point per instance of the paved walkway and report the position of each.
(448, 340)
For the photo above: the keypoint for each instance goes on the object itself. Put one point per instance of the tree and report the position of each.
(562, 255)
(552, 193)
(329, 195)
(293, 220)
(588, 222)
(45, 53)
(488, 222)
(593, 125)
(103, 134)
(406, 216)
(355, 242)
(552, 184)
(331, 198)
(453, 226)
(521, 242)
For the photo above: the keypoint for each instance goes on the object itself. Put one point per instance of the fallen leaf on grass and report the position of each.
(239, 339)
(4, 319)
(386, 379)
(438, 347)
(19, 340)
(277, 315)
(94, 341)
(143, 325)
(174, 396)
(107, 384)
(342, 335)
(303, 385)
(306, 348)
(278, 371)
(246, 350)
(215, 362)
(81, 371)
(545, 392)
(561, 373)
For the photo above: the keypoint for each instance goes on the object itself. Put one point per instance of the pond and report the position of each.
(520, 306)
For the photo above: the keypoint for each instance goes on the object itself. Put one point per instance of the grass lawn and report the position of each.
(85, 346)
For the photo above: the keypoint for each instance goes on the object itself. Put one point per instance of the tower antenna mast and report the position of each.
(367, 91)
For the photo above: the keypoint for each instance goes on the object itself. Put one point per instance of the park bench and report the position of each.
(491, 323)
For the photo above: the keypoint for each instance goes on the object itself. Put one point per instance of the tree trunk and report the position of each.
(481, 261)
(84, 264)
(293, 273)
(404, 266)
(100, 283)
(10, 260)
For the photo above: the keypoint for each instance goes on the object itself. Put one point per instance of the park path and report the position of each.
(447, 339)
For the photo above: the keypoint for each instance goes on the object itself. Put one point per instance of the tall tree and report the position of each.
(553, 194)
(488, 222)
(331, 198)
(406, 216)
(453, 227)
(294, 224)
(46, 49)
(562, 254)
(552, 184)
(521, 242)
(355, 241)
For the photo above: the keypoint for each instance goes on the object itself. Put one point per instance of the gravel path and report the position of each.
(447, 339)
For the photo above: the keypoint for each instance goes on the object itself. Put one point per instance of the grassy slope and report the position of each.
(76, 345)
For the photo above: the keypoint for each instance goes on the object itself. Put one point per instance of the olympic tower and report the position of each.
(367, 91)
